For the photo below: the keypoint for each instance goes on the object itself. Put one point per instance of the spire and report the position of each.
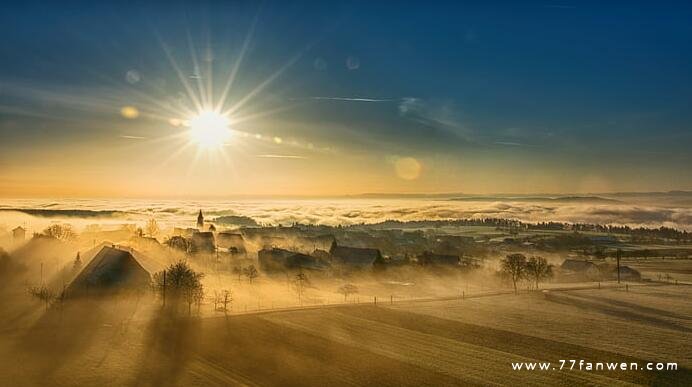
(200, 219)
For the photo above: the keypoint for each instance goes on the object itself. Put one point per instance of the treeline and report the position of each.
(511, 224)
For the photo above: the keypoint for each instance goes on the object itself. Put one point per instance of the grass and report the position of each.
(469, 342)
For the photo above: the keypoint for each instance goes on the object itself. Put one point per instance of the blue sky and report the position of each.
(478, 93)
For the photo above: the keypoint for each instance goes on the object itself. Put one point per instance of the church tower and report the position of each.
(200, 220)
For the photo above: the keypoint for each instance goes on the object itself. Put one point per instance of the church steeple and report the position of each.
(200, 220)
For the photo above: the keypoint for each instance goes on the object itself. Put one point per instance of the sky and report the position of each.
(342, 98)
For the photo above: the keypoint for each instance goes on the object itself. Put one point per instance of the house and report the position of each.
(581, 269)
(273, 260)
(203, 242)
(304, 261)
(431, 259)
(319, 242)
(355, 257)
(18, 234)
(232, 242)
(110, 270)
(185, 232)
(609, 271)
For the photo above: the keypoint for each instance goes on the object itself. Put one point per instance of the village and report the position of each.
(499, 254)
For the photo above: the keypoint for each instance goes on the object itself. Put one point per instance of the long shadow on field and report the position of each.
(634, 307)
(169, 342)
(251, 350)
(59, 336)
(584, 304)
(539, 349)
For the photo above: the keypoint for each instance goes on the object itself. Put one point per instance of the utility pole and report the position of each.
(617, 256)
(164, 288)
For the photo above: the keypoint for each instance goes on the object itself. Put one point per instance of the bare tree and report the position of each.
(514, 267)
(251, 273)
(152, 228)
(300, 283)
(538, 269)
(238, 270)
(225, 298)
(63, 232)
(347, 289)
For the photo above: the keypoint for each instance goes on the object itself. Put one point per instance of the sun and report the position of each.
(209, 129)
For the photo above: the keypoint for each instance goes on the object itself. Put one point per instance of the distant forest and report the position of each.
(511, 224)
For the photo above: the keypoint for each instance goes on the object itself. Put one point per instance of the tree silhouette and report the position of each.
(152, 228)
(514, 267)
(180, 283)
(300, 283)
(77, 265)
(538, 269)
(347, 289)
(63, 232)
(251, 273)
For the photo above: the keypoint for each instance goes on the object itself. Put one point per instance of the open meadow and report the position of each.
(447, 342)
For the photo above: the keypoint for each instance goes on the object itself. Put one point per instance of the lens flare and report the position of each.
(209, 129)
(407, 168)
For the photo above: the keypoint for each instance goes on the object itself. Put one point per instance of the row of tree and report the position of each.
(517, 267)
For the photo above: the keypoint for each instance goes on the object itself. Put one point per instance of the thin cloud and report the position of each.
(509, 143)
(281, 157)
(133, 137)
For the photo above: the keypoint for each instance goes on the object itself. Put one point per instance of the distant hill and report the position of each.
(236, 220)
(558, 199)
(66, 213)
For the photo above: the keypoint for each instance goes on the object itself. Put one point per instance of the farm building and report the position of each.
(431, 259)
(19, 234)
(232, 242)
(109, 271)
(609, 271)
(319, 242)
(273, 260)
(355, 257)
(203, 242)
(580, 270)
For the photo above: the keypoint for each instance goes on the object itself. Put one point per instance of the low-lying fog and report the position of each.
(653, 210)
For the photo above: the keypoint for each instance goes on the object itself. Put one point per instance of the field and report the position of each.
(470, 341)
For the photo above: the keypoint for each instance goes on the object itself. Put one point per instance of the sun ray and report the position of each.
(197, 72)
(266, 82)
(236, 65)
(181, 76)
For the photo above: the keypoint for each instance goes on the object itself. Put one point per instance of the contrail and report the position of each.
(354, 99)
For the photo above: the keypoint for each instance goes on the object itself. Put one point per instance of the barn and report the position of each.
(111, 270)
